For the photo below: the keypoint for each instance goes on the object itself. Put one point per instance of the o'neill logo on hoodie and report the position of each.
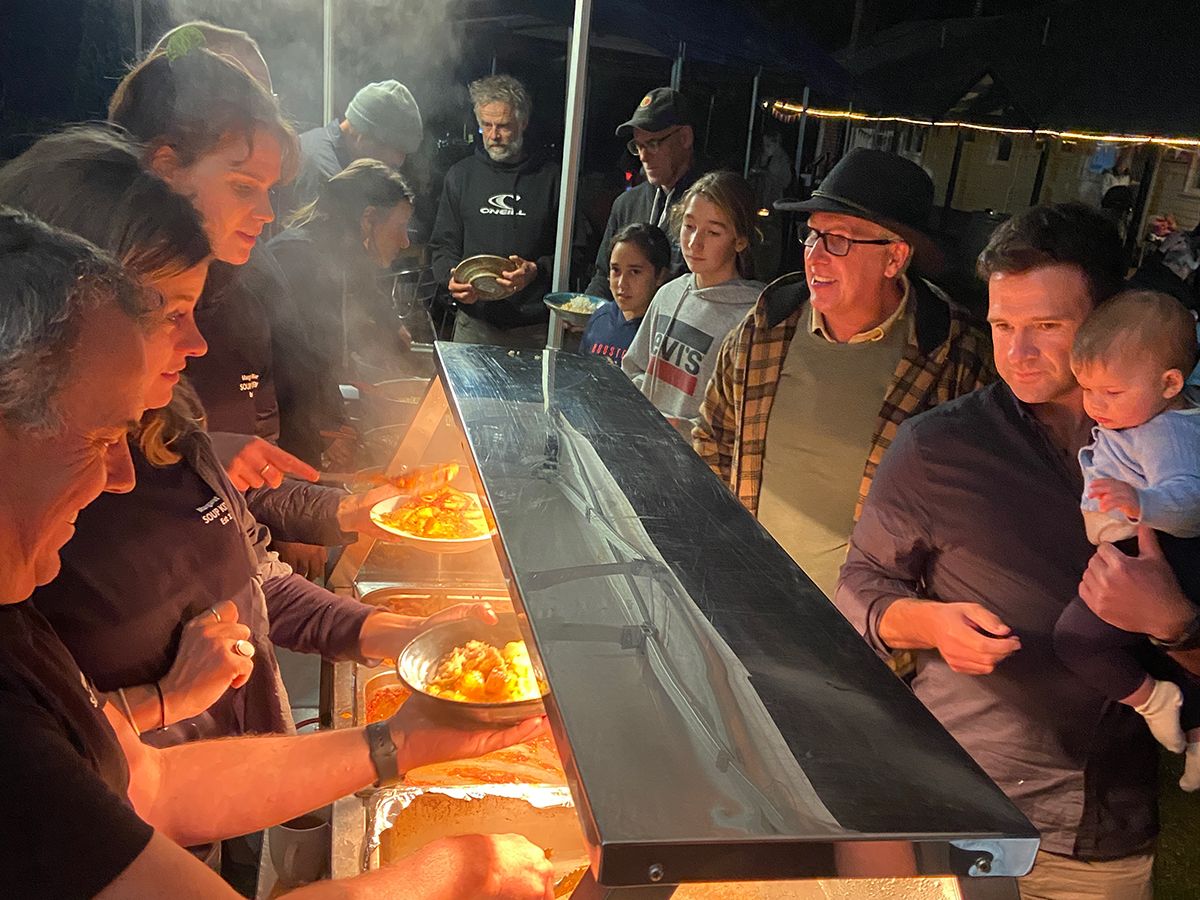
(677, 354)
(502, 205)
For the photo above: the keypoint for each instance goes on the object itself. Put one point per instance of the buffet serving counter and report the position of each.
(715, 720)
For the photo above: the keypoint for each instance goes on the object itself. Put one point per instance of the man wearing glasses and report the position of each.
(660, 135)
(834, 358)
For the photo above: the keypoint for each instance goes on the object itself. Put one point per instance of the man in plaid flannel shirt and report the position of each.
(835, 358)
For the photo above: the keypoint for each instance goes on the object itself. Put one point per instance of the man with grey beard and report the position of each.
(502, 200)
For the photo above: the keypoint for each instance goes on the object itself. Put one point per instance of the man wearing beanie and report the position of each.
(660, 136)
(502, 200)
(382, 122)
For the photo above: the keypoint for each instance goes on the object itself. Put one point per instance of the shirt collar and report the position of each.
(817, 321)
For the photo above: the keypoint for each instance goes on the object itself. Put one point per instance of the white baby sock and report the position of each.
(1161, 712)
(1191, 768)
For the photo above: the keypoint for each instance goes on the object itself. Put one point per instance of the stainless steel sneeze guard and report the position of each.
(717, 717)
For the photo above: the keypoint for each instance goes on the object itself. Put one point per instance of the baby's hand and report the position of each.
(1112, 493)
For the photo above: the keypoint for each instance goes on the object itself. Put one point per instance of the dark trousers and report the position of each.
(1116, 662)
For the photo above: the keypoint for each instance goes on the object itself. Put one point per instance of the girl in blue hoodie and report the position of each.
(675, 351)
(638, 265)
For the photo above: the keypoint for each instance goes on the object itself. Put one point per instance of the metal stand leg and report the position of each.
(589, 889)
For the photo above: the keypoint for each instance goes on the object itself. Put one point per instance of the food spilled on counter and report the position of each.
(477, 672)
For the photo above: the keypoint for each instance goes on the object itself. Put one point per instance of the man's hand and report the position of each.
(463, 293)
(205, 665)
(385, 634)
(354, 512)
(971, 639)
(491, 866)
(519, 276)
(1112, 493)
(251, 462)
(422, 739)
(1137, 593)
(307, 560)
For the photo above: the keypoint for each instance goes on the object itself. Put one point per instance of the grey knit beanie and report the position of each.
(385, 111)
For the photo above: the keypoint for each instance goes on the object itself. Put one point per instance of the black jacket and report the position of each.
(635, 205)
(503, 209)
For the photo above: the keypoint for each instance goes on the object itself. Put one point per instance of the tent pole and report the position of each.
(953, 179)
(677, 68)
(1040, 177)
(137, 28)
(1145, 187)
(801, 136)
(327, 61)
(572, 147)
(712, 100)
(750, 126)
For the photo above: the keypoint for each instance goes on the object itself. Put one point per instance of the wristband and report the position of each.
(1188, 640)
(383, 754)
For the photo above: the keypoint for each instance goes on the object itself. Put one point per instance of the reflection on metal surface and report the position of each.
(716, 715)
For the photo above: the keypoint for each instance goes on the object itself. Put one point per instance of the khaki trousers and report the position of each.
(1057, 877)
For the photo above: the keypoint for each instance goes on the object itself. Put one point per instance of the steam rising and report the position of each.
(412, 41)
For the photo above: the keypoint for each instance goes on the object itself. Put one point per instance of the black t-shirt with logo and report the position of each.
(66, 826)
(140, 566)
(235, 378)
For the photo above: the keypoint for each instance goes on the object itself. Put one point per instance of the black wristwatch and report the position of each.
(383, 754)
(1189, 640)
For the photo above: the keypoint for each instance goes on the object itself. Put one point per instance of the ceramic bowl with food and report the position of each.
(482, 273)
(446, 520)
(474, 672)
(575, 308)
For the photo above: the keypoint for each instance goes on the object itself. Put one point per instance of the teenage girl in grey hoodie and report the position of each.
(674, 352)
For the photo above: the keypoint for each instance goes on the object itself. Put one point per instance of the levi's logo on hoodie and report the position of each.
(502, 205)
(677, 353)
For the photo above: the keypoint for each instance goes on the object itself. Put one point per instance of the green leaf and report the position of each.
(184, 41)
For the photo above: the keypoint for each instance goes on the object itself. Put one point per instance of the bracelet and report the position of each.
(383, 754)
(162, 706)
(128, 712)
(1189, 640)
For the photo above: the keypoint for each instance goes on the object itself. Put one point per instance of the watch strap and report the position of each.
(383, 754)
(1189, 640)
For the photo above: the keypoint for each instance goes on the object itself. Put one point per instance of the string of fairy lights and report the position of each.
(787, 111)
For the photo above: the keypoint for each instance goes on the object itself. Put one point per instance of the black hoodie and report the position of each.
(503, 209)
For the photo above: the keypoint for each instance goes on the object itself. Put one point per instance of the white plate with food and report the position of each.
(445, 520)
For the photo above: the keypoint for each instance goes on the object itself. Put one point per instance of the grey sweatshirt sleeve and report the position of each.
(1170, 455)
(637, 357)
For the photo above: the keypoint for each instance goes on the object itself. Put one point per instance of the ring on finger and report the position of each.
(243, 648)
(216, 615)
(263, 470)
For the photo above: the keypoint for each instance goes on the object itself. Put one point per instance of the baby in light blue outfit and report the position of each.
(1132, 358)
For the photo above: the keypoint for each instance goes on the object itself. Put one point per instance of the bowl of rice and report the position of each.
(575, 308)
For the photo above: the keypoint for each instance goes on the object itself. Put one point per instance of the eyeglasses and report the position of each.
(837, 244)
(652, 145)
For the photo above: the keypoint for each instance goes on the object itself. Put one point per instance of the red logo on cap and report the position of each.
(645, 102)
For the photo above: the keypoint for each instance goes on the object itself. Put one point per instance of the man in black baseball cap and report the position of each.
(660, 135)
(810, 388)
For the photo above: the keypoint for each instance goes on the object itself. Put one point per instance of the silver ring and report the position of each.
(216, 615)
(243, 648)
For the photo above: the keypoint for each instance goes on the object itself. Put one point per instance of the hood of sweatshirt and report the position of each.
(731, 292)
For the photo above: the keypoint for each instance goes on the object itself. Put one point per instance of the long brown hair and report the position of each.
(196, 102)
(731, 194)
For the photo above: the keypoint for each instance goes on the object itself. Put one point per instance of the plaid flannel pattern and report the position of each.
(732, 434)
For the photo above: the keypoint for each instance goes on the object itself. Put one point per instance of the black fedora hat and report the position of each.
(883, 188)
